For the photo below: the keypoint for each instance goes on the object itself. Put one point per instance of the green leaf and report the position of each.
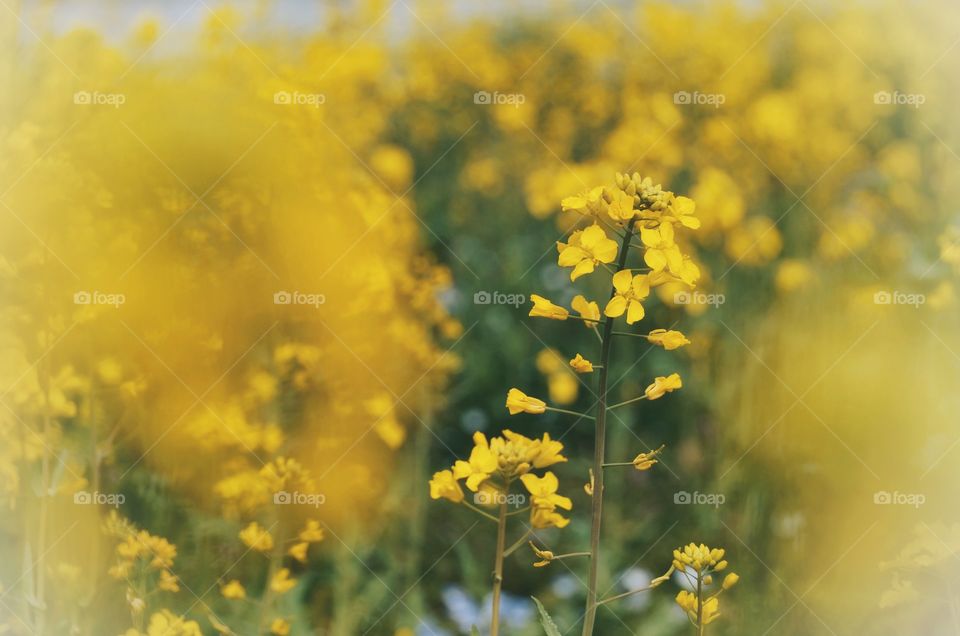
(474, 631)
(548, 625)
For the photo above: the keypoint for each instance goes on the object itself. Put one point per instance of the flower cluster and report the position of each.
(496, 464)
(697, 564)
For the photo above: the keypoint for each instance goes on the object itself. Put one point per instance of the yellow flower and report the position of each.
(689, 603)
(279, 627)
(543, 491)
(233, 590)
(545, 556)
(644, 461)
(588, 310)
(281, 581)
(299, 551)
(543, 308)
(586, 249)
(311, 533)
(256, 538)
(166, 623)
(581, 364)
(479, 467)
(669, 340)
(168, 582)
(663, 385)
(682, 211)
(730, 580)
(629, 291)
(520, 402)
(541, 518)
(661, 253)
(588, 203)
(444, 485)
(548, 451)
(620, 207)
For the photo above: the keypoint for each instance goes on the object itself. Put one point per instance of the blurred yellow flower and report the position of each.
(279, 627)
(256, 538)
(299, 551)
(281, 581)
(233, 590)
(312, 532)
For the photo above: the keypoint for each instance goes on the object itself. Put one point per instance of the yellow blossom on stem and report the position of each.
(281, 581)
(545, 556)
(479, 467)
(681, 211)
(444, 485)
(588, 310)
(279, 627)
(168, 581)
(581, 364)
(730, 580)
(690, 604)
(233, 590)
(669, 340)
(663, 385)
(520, 402)
(661, 253)
(620, 206)
(587, 203)
(312, 532)
(585, 250)
(644, 461)
(629, 291)
(299, 551)
(543, 491)
(256, 538)
(543, 308)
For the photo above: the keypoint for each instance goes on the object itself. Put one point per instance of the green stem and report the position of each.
(478, 511)
(599, 441)
(583, 415)
(498, 570)
(631, 401)
(519, 542)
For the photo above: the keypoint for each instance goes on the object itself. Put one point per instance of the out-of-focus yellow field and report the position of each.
(266, 268)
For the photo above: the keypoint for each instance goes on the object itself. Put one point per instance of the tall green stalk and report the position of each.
(599, 451)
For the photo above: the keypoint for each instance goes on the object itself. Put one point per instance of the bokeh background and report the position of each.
(236, 235)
